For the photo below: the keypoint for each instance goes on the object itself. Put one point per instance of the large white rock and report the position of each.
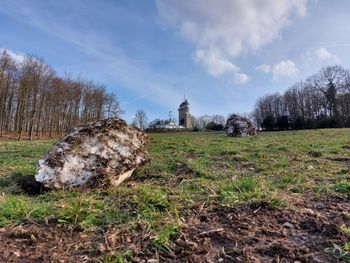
(101, 153)
(237, 126)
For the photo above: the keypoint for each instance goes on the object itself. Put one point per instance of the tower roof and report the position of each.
(184, 103)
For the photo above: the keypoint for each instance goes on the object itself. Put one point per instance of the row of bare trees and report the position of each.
(35, 101)
(321, 101)
(208, 122)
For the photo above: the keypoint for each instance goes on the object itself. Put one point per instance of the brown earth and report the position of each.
(297, 233)
(42, 243)
(258, 234)
(25, 136)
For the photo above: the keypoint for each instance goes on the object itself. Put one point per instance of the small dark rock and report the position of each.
(288, 225)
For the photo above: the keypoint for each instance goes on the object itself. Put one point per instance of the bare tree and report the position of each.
(140, 120)
(321, 101)
(112, 107)
(34, 100)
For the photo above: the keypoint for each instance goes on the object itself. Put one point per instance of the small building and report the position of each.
(184, 115)
(163, 124)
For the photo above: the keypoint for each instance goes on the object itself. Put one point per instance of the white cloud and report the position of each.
(324, 54)
(228, 27)
(241, 78)
(320, 55)
(263, 68)
(315, 58)
(16, 56)
(215, 63)
(286, 68)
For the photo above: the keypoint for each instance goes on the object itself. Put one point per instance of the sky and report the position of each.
(222, 55)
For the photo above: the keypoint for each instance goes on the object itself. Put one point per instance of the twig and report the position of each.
(210, 231)
(257, 210)
(201, 208)
(226, 256)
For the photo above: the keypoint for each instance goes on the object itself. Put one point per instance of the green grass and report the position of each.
(187, 169)
(342, 252)
(163, 241)
(19, 209)
(342, 187)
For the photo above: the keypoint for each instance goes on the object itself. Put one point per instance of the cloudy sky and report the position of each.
(221, 54)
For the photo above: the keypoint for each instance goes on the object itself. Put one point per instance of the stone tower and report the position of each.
(184, 115)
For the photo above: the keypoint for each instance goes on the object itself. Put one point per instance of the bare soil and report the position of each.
(25, 136)
(297, 233)
(42, 243)
(258, 234)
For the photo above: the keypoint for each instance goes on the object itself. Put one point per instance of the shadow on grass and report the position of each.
(17, 183)
(10, 182)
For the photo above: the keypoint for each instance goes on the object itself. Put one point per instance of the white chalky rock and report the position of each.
(101, 153)
(237, 126)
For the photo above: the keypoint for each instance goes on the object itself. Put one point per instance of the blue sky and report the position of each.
(221, 54)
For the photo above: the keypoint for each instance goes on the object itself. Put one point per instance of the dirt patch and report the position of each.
(191, 154)
(25, 136)
(39, 243)
(346, 147)
(184, 170)
(315, 154)
(257, 234)
(341, 159)
(227, 153)
(298, 233)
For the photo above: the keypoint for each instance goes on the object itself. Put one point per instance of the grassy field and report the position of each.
(205, 196)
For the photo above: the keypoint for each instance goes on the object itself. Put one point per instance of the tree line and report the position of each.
(35, 101)
(205, 122)
(208, 122)
(321, 101)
